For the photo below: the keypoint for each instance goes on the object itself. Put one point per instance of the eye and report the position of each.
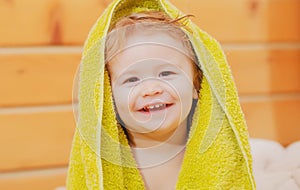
(165, 73)
(131, 80)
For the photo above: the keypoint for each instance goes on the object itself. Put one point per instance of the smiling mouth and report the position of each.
(155, 107)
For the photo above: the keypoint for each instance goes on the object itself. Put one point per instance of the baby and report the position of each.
(155, 83)
(158, 108)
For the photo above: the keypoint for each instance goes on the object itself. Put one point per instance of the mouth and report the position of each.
(154, 107)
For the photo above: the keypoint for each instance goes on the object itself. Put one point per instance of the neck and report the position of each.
(175, 137)
(151, 149)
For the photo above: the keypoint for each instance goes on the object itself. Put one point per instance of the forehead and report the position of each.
(155, 46)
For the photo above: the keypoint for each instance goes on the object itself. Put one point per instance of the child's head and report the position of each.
(153, 73)
(149, 23)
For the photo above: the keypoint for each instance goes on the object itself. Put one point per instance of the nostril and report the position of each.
(150, 87)
(150, 91)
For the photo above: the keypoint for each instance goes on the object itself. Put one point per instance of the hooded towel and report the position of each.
(217, 154)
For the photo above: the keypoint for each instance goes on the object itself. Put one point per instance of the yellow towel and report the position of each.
(217, 152)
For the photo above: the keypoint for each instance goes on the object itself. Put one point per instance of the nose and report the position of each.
(151, 88)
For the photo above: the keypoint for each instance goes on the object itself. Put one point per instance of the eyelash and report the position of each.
(131, 80)
(165, 73)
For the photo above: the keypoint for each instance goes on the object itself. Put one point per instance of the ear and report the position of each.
(195, 94)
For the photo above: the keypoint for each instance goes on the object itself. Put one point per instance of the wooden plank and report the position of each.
(274, 119)
(76, 26)
(287, 27)
(263, 71)
(35, 139)
(58, 22)
(34, 79)
(49, 22)
(246, 20)
(40, 78)
(43, 139)
(34, 180)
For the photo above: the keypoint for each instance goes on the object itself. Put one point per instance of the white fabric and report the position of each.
(276, 167)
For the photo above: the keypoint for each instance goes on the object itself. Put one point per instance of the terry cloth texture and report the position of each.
(217, 152)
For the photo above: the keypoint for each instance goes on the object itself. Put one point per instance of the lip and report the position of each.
(155, 107)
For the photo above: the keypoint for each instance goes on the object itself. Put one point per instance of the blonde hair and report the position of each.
(149, 22)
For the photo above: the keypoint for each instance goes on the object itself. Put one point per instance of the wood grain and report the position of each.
(64, 22)
(48, 179)
(47, 22)
(247, 20)
(35, 140)
(274, 119)
(39, 139)
(36, 119)
(34, 79)
(46, 79)
(263, 71)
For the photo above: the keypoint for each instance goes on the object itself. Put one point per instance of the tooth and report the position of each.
(157, 105)
(151, 107)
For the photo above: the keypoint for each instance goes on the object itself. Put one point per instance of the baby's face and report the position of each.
(152, 84)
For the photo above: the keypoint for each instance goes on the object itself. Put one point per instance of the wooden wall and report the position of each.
(40, 47)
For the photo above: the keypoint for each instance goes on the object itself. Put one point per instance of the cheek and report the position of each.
(183, 86)
(185, 91)
(124, 99)
(121, 102)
